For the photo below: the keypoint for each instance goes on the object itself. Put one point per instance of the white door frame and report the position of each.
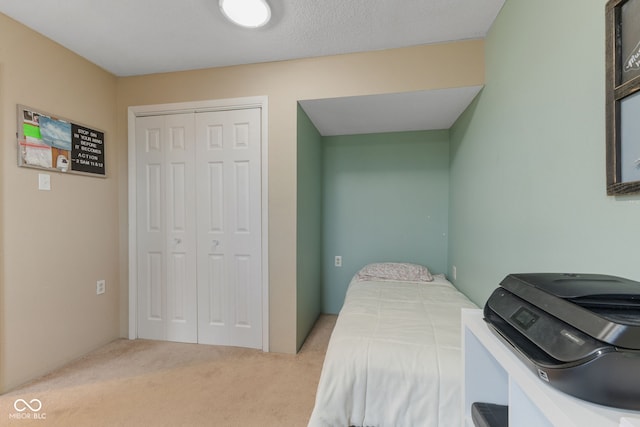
(195, 107)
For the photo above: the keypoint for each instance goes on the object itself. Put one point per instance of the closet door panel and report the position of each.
(181, 229)
(150, 228)
(229, 174)
(167, 292)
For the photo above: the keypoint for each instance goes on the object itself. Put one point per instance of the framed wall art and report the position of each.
(623, 96)
(46, 141)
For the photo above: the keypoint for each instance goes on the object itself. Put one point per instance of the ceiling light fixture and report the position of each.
(246, 13)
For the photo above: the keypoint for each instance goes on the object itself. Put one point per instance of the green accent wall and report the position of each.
(385, 198)
(528, 156)
(309, 226)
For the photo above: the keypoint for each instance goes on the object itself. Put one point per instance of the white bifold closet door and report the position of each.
(199, 227)
(229, 228)
(166, 228)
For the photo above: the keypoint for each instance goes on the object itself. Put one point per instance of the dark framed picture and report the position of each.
(623, 96)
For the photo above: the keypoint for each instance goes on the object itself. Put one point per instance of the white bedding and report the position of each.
(394, 357)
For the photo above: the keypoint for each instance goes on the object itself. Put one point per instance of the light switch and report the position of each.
(44, 181)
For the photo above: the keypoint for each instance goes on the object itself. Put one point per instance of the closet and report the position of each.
(198, 229)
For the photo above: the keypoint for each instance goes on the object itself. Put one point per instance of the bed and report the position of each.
(394, 355)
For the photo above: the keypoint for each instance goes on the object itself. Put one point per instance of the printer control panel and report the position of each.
(555, 337)
(525, 318)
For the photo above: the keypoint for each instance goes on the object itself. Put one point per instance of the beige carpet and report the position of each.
(150, 383)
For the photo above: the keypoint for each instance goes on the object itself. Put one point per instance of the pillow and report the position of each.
(395, 271)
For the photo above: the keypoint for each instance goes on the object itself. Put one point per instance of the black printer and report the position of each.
(578, 332)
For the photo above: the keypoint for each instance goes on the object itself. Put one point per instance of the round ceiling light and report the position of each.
(246, 13)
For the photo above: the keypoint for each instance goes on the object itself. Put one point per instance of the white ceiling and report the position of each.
(394, 112)
(134, 37)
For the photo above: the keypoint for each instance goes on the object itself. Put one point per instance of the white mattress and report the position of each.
(394, 357)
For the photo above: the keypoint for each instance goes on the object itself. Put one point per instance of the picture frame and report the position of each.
(622, 27)
(56, 144)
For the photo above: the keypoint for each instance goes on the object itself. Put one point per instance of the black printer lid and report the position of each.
(572, 286)
(605, 307)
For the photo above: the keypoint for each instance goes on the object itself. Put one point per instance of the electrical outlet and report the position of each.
(454, 272)
(101, 286)
(338, 261)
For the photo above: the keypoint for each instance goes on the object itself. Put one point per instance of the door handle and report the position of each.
(214, 245)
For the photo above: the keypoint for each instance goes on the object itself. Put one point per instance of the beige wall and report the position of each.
(398, 70)
(55, 244)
